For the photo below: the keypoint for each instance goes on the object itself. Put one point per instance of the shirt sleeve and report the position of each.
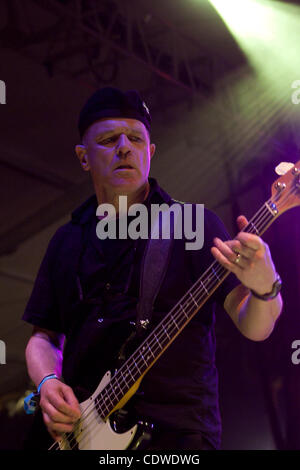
(42, 308)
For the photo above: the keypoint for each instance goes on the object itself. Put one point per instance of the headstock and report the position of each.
(286, 189)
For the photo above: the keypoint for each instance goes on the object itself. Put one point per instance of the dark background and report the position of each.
(222, 120)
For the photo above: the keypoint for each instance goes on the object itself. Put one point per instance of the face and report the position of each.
(117, 152)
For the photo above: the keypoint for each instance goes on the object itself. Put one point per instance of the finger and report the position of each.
(72, 401)
(226, 249)
(58, 428)
(47, 422)
(55, 435)
(62, 397)
(55, 415)
(60, 405)
(230, 266)
(242, 222)
(250, 240)
(239, 248)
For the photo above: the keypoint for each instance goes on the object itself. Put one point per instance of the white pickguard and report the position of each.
(92, 432)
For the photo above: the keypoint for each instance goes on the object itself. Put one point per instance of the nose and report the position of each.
(123, 146)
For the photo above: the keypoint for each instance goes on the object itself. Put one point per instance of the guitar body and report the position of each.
(94, 433)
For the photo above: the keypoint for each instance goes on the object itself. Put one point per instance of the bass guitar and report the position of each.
(97, 428)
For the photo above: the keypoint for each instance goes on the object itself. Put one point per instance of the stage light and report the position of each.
(267, 32)
(246, 18)
(261, 94)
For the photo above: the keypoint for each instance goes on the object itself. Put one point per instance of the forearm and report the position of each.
(60, 407)
(42, 358)
(257, 318)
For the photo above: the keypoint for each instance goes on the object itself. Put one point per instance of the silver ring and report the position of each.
(238, 258)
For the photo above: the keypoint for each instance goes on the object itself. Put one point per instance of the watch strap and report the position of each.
(270, 295)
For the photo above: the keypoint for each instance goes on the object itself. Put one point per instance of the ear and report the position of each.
(81, 153)
(152, 150)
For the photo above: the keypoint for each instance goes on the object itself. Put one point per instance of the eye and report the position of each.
(107, 141)
(135, 138)
(114, 138)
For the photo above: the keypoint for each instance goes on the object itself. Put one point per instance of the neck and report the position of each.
(112, 197)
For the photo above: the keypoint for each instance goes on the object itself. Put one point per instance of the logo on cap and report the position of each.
(2, 92)
(146, 108)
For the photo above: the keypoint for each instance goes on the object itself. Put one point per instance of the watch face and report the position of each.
(276, 288)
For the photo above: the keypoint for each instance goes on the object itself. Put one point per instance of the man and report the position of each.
(87, 290)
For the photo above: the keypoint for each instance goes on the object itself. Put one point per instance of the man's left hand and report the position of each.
(248, 257)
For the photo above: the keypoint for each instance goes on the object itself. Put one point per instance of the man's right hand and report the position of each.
(60, 407)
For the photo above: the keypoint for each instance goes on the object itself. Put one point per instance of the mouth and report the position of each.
(125, 167)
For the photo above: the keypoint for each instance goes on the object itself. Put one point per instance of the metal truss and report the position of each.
(81, 36)
(102, 38)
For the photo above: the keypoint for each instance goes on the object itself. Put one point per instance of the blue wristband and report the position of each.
(50, 376)
(30, 402)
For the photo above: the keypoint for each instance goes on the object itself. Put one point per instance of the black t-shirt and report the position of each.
(88, 289)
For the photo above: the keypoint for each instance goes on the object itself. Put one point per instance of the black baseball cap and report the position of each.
(111, 102)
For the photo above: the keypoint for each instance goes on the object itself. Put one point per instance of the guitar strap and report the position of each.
(155, 262)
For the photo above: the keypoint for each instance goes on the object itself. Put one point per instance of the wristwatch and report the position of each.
(274, 292)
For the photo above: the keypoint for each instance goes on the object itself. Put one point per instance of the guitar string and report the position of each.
(187, 306)
(260, 220)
